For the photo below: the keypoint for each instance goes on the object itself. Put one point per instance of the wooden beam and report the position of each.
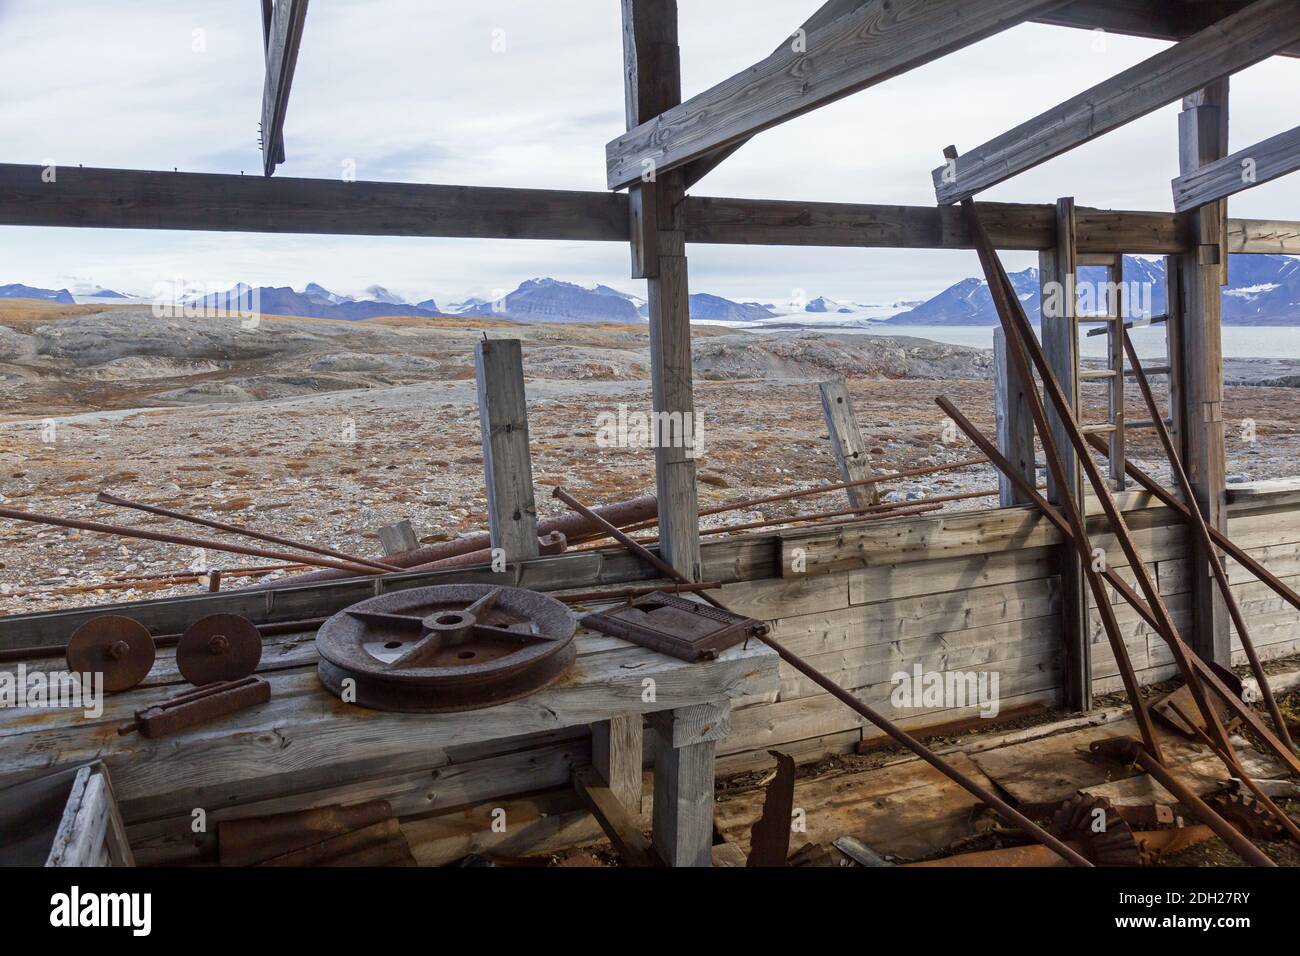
(686, 742)
(1058, 269)
(1203, 140)
(1264, 236)
(507, 461)
(1015, 425)
(283, 37)
(659, 254)
(616, 754)
(1154, 19)
(1239, 41)
(399, 537)
(879, 40)
(134, 199)
(613, 816)
(1261, 163)
(846, 443)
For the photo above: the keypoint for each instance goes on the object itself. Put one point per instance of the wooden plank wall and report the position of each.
(974, 591)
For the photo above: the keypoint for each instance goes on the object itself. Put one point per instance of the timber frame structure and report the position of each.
(670, 144)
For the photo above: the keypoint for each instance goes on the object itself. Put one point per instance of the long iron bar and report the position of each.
(1278, 813)
(188, 542)
(1004, 809)
(819, 490)
(1167, 498)
(1076, 534)
(876, 513)
(105, 498)
(1131, 752)
(1201, 528)
(1239, 708)
(1023, 345)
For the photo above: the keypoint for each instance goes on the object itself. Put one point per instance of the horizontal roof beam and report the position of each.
(1259, 164)
(1153, 19)
(212, 202)
(879, 40)
(1239, 41)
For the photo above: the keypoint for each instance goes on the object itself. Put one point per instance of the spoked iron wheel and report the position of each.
(446, 648)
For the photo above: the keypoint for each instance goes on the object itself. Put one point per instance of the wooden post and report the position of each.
(1015, 425)
(1203, 135)
(846, 443)
(616, 746)
(507, 464)
(396, 538)
(686, 740)
(658, 241)
(1058, 270)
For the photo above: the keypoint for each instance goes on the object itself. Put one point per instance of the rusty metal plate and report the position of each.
(676, 626)
(447, 648)
(220, 647)
(118, 647)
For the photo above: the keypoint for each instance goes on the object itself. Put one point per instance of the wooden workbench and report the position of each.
(306, 740)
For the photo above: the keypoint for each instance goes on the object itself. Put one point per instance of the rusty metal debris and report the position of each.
(1104, 835)
(1130, 752)
(769, 837)
(255, 839)
(1246, 814)
(1004, 809)
(197, 707)
(446, 648)
(219, 647)
(676, 626)
(107, 499)
(118, 647)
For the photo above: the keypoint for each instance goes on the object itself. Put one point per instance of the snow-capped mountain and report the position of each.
(16, 290)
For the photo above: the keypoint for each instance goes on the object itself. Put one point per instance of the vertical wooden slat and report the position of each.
(507, 463)
(686, 742)
(846, 443)
(653, 84)
(1203, 138)
(1117, 306)
(1015, 425)
(1058, 274)
(616, 746)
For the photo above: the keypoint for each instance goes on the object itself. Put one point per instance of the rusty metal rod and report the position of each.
(1202, 530)
(625, 594)
(105, 498)
(1023, 346)
(1075, 532)
(1008, 812)
(1131, 751)
(1278, 813)
(188, 542)
(1125, 590)
(819, 490)
(1168, 499)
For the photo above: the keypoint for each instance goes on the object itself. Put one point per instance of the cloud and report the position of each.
(520, 93)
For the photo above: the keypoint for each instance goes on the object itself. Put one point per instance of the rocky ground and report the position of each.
(326, 431)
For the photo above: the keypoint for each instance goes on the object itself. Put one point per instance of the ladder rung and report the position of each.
(1097, 320)
(1096, 373)
(1148, 423)
(1101, 429)
(1154, 370)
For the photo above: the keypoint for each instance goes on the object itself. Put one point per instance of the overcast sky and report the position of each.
(413, 91)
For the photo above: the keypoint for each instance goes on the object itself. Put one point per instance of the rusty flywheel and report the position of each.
(446, 648)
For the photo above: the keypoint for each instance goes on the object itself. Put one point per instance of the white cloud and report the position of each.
(413, 91)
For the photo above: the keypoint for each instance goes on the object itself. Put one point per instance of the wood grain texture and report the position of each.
(850, 452)
(1254, 166)
(878, 40)
(507, 458)
(1238, 41)
(1015, 426)
(283, 35)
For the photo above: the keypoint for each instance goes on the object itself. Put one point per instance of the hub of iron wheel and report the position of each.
(446, 648)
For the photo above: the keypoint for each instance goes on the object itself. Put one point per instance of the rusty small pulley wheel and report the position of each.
(118, 647)
(447, 648)
(220, 647)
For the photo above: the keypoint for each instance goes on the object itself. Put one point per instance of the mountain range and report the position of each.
(1261, 290)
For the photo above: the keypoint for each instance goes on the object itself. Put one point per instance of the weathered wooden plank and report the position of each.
(615, 818)
(211, 202)
(1254, 166)
(1234, 43)
(1015, 426)
(399, 537)
(1154, 19)
(1273, 237)
(507, 458)
(616, 753)
(874, 42)
(846, 443)
(283, 34)
(685, 745)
